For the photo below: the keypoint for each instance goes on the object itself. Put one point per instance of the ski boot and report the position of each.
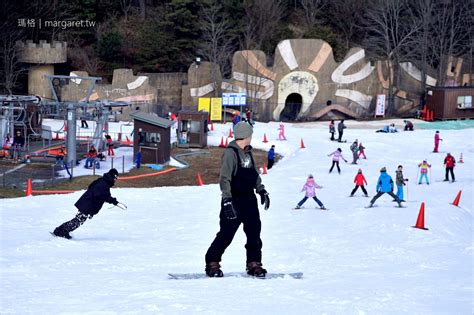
(255, 269)
(298, 207)
(213, 270)
(59, 232)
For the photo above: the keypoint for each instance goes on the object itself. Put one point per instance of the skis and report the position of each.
(302, 208)
(369, 206)
(193, 276)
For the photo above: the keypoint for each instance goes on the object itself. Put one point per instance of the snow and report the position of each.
(355, 260)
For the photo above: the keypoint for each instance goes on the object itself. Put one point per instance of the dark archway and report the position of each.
(292, 107)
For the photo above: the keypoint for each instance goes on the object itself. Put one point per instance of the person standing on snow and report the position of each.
(340, 129)
(90, 203)
(449, 163)
(385, 186)
(271, 157)
(437, 139)
(400, 181)
(239, 179)
(424, 172)
(355, 150)
(281, 134)
(332, 129)
(336, 156)
(310, 192)
(359, 180)
(361, 151)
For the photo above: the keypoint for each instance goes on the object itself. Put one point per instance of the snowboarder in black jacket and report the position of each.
(90, 203)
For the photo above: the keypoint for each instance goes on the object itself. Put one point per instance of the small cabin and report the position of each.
(151, 137)
(192, 129)
(450, 102)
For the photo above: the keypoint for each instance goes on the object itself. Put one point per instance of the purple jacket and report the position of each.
(310, 187)
(336, 156)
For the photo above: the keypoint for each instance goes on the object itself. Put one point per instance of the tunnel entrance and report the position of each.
(292, 107)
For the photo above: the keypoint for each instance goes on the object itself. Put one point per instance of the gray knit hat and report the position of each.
(242, 130)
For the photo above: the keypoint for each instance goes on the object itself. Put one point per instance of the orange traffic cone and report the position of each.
(222, 143)
(29, 188)
(302, 144)
(456, 200)
(226, 142)
(212, 126)
(200, 180)
(460, 159)
(420, 222)
(57, 136)
(265, 138)
(264, 168)
(230, 133)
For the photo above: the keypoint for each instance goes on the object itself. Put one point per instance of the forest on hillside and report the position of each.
(168, 35)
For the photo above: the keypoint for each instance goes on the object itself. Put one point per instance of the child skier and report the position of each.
(355, 150)
(337, 155)
(424, 172)
(281, 135)
(449, 163)
(384, 186)
(271, 157)
(90, 203)
(310, 192)
(110, 146)
(400, 181)
(361, 151)
(359, 180)
(332, 129)
(437, 139)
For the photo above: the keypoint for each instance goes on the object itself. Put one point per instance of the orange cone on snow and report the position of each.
(212, 126)
(264, 168)
(456, 200)
(230, 133)
(222, 143)
(302, 144)
(200, 180)
(226, 142)
(29, 188)
(460, 159)
(57, 136)
(265, 138)
(420, 222)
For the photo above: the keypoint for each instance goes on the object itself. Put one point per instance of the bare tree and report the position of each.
(390, 28)
(10, 67)
(125, 5)
(347, 16)
(310, 11)
(217, 39)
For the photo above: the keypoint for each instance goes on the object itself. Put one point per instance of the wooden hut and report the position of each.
(192, 129)
(450, 102)
(151, 137)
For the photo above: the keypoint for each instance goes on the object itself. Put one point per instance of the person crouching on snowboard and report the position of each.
(238, 180)
(90, 203)
(385, 185)
(310, 192)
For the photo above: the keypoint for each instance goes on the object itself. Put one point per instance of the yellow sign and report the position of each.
(216, 108)
(204, 103)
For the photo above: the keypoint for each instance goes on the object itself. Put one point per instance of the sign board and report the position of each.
(216, 108)
(380, 105)
(234, 99)
(204, 104)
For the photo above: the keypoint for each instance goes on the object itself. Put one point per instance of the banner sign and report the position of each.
(216, 108)
(380, 106)
(204, 103)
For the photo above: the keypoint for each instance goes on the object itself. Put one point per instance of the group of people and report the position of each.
(340, 130)
(12, 148)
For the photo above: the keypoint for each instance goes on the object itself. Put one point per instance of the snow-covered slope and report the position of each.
(355, 260)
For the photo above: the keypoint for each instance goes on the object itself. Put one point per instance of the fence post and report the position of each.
(52, 174)
(112, 162)
(93, 167)
(123, 164)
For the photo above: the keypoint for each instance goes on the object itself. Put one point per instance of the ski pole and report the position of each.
(407, 190)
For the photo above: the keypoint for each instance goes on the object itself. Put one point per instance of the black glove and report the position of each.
(114, 201)
(228, 209)
(264, 199)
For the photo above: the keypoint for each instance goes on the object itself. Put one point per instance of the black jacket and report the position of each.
(97, 193)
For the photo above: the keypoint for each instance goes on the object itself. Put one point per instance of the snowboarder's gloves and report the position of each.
(228, 209)
(264, 199)
(114, 201)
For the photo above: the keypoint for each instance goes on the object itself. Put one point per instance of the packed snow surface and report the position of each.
(355, 260)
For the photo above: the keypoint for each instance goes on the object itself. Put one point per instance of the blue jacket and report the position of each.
(271, 154)
(384, 183)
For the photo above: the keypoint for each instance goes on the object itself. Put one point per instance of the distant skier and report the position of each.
(90, 203)
(271, 157)
(355, 151)
(400, 181)
(437, 139)
(239, 180)
(310, 192)
(384, 186)
(361, 151)
(408, 125)
(340, 129)
(359, 180)
(449, 163)
(281, 134)
(110, 145)
(336, 156)
(332, 129)
(424, 172)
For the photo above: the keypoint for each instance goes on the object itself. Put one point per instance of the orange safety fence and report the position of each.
(148, 175)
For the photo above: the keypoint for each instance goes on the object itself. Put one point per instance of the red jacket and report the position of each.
(449, 161)
(360, 179)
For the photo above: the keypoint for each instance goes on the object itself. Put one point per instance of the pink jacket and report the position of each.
(436, 138)
(336, 156)
(310, 188)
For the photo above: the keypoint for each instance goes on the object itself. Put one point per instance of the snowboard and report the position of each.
(193, 276)
(59, 236)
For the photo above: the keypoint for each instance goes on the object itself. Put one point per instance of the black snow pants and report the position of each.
(73, 224)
